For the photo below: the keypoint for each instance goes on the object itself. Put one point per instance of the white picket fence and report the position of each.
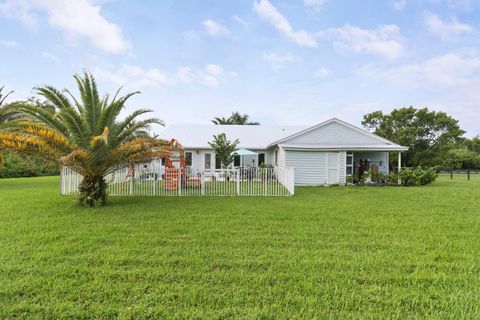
(153, 179)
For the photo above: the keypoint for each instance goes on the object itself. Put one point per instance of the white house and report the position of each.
(322, 154)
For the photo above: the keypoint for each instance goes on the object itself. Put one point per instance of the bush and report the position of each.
(14, 167)
(392, 178)
(419, 176)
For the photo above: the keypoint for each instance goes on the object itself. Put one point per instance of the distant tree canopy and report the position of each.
(235, 118)
(428, 134)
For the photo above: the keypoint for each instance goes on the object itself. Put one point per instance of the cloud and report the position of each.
(442, 29)
(385, 40)
(270, 14)
(51, 57)
(9, 43)
(138, 77)
(399, 5)
(278, 60)
(321, 72)
(316, 4)
(20, 10)
(78, 19)
(449, 70)
(215, 28)
(244, 23)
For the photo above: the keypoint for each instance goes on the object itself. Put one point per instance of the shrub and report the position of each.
(15, 167)
(392, 178)
(419, 176)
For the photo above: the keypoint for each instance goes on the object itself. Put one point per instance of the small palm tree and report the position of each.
(84, 134)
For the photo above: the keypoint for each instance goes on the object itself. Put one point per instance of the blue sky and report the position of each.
(282, 62)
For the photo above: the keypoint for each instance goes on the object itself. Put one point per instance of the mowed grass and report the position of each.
(326, 253)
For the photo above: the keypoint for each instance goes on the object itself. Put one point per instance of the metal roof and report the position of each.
(197, 136)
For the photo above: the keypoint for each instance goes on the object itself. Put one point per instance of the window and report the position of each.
(236, 161)
(163, 161)
(276, 157)
(188, 159)
(218, 163)
(349, 164)
(208, 161)
(261, 159)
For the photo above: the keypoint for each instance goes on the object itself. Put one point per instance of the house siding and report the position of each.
(333, 134)
(309, 166)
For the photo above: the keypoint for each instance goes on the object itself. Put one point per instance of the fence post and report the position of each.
(131, 182)
(468, 173)
(264, 179)
(238, 182)
(179, 182)
(202, 182)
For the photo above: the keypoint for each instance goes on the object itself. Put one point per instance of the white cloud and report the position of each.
(385, 40)
(78, 19)
(316, 4)
(321, 72)
(20, 10)
(138, 77)
(449, 70)
(442, 29)
(244, 23)
(214, 69)
(269, 13)
(399, 5)
(278, 60)
(8, 43)
(49, 56)
(215, 28)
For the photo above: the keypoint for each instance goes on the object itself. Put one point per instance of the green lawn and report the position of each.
(337, 252)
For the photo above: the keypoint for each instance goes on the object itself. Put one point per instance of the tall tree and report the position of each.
(224, 149)
(84, 134)
(236, 118)
(425, 132)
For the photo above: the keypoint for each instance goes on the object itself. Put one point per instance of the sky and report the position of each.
(296, 62)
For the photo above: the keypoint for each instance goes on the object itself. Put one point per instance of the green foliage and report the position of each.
(325, 253)
(235, 118)
(83, 133)
(461, 158)
(15, 166)
(392, 178)
(418, 176)
(425, 132)
(224, 149)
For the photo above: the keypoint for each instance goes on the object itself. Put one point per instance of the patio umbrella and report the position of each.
(244, 152)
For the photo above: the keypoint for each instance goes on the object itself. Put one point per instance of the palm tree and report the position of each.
(222, 120)
(5, 114)
(84, 134)
(235, 118)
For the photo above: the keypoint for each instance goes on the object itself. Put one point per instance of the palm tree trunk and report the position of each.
(93, 191)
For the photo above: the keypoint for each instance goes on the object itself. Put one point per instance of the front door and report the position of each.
(332, 168)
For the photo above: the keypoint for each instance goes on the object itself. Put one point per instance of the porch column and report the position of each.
(399, 166)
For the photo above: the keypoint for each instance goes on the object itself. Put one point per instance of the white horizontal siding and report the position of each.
(335, 134)
(309, 166)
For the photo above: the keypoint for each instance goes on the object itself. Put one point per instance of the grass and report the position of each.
(337, 252)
